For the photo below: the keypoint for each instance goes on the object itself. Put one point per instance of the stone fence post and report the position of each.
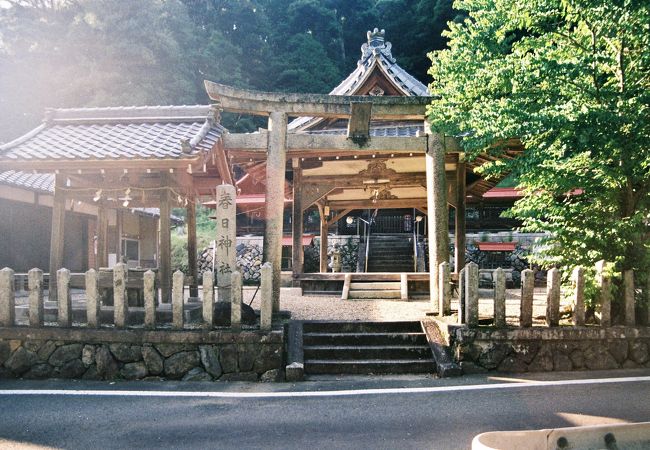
(63, 297)
(579, 296)
(236, 299)
(120, 303)
(178, 320)
(462, 313)
(208, 299)
(444, 289)
(266, 309)
(7, 298)
(471, 294)
(35, 285)
(553, 298)
(605, 294)
(149, 282)
(628, 295)
(499, 298)
(92, 299)
(527, 294)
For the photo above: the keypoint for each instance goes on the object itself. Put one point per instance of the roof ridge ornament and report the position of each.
(376, 46)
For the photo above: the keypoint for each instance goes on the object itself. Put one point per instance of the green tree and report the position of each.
(571, 80)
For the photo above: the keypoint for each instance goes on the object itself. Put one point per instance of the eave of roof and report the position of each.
(165, 136)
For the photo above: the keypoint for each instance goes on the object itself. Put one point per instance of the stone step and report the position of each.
(331, 326)
(369, 366)
(375, 294)
(399, 268)
(361, 286)
(344, 352)
(355, 339)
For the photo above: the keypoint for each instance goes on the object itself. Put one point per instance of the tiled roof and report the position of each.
(159, 132)
(42, 182)
(375, 53)
(405, 129)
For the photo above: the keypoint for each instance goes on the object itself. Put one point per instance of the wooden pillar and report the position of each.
(323, 239)
(438, 220)
(193, 271)
(459, 231)
(57, 234)
(164, 257)
(275, 177)
(297, 223)
(119, 232)
(102, 237)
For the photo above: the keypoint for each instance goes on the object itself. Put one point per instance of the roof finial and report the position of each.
(376, 38)
(376, 46)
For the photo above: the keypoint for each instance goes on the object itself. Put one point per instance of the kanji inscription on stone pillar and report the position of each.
(226, 241)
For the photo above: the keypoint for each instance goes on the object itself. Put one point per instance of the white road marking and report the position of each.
(335, 393)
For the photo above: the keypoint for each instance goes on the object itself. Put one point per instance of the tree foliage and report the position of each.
(75, 53)
(571, 80)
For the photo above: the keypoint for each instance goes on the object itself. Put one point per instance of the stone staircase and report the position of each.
(365, 348)
(375, 290)
(391, 253)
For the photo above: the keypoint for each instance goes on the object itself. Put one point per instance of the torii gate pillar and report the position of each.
(275, 172)
(438, 214)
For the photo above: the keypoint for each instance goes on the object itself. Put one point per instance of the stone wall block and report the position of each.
(197, 374)
(639, 352)
(210, 360)
(247, 353)
(228, 358)
(126, 352)
(21, 361)
(65, 353)
(106, 365)
(178, 319)
(35, 284)
(120, 303)
(46, 350)
(180, 363)
(598, 358)
(92, 299)
(134, 370)
(152, 360)
(268, 358)
(149, 281)
(70, 369)
(7, 298)
(88, 355)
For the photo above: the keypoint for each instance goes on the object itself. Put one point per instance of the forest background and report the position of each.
(81, 53)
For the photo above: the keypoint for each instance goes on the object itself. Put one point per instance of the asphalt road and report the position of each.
(396, 413)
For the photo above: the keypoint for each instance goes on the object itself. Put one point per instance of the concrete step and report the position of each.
(344, 352)
(322, 326)
(369, 366)
(360, 286)
(375, 294)
(356, 339)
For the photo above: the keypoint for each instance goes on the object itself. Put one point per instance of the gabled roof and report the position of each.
(123, 133)
(376, 58)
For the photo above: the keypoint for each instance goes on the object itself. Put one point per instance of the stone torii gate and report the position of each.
(277, 145)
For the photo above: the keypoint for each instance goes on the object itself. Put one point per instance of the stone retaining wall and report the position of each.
(549, 349)
(140, 354)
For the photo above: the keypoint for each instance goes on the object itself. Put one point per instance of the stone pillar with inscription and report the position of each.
(226, 241)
